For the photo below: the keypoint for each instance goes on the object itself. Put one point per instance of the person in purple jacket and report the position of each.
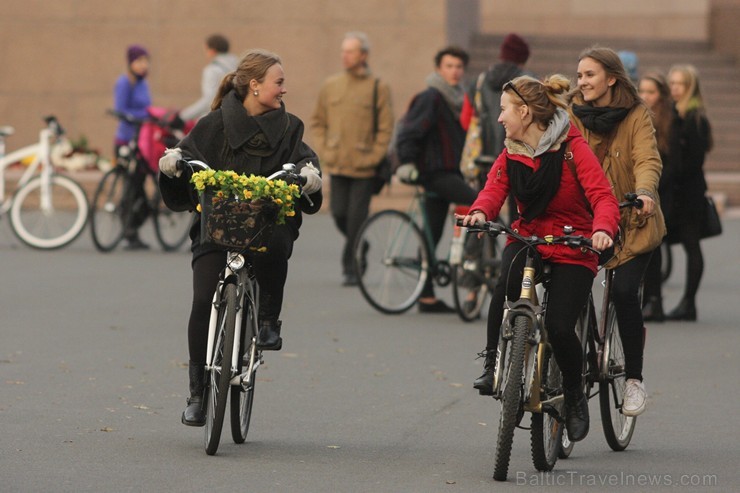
(131, 96)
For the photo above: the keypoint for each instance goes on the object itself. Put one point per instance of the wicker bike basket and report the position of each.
(236, 224)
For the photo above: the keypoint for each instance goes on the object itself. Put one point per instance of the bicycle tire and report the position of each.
(618, 428)
(547, 432)
(219, 375)
(511, 398)
(108, 215)
(242, 398)
(473, 278)
(58, 224)
(171, 228)
(392, 260)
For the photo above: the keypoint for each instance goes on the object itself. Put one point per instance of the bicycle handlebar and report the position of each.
(288, 170)
(133, 120)
(631, 200)
(494, 229)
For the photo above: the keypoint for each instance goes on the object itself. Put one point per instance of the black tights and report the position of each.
(271, 269)
(689, 235)
(568, 293)
(625, 295)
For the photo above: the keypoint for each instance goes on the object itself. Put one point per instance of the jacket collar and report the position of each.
(241, 128)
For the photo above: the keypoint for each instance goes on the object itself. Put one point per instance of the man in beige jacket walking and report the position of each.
(352, 127)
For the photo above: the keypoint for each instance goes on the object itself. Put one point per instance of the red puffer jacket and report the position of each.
(567, 208)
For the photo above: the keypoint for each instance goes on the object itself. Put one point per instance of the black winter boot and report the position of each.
(576, 414)
(194, 414)
(484, 383)
(269, 337)
(686, 310)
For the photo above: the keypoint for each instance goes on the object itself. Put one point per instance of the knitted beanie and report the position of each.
(514, 49)
(135, 51)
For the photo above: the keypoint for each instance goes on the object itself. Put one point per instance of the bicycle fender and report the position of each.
(525, 308)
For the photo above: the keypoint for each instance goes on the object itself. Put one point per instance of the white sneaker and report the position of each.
(635, 398)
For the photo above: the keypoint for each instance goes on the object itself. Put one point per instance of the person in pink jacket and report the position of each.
(549, 195)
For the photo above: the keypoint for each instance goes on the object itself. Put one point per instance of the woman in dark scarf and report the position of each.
(533, 166)
(618, 127)
(249, 132)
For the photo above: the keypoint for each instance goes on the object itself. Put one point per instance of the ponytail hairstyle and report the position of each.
(662, 113)
(624, 92)
(542, 98)
(253, 66)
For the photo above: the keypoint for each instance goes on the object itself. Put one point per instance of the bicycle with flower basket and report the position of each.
(238, 213)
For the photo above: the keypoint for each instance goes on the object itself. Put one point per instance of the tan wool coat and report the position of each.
(342, 125)
(632, 164)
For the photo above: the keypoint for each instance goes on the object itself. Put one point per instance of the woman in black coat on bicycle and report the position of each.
(249, 132)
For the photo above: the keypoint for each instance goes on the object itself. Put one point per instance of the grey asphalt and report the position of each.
(93, 381)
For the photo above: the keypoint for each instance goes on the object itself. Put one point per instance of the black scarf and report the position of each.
(600, 120)
(536, 189)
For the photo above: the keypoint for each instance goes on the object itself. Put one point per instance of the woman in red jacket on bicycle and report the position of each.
(549, 195)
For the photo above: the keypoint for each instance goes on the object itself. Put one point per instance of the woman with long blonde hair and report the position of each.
(695, 140)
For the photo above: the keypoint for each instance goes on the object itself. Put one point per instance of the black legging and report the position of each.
(271, 269)
(446, 188)
(625, 295)
(652, 287)
(568, 293)
(688, 234)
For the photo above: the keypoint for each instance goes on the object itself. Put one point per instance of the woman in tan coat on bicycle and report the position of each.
(617, 125)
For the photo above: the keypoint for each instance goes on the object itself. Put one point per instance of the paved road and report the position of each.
(92, 353)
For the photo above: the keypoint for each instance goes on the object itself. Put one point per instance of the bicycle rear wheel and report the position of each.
(242, 396)
(511, 398)
(49, 221)
(473, 277)
(618, 428)
(547, 431)
(219, 375)
(392, 261)
(109, 213)
(171, 228)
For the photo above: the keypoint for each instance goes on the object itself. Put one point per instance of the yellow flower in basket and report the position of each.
(231, 185)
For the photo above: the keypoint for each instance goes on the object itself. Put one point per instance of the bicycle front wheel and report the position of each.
(392, 261)
(473, 277)
(49, 217)
(242, 397)
(219, 375)
(618, 428)
(171, 228)
(110, 213)
(511, 397)
(547, 431)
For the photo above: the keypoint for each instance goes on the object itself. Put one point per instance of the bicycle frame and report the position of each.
(529, 306)
(40, 153)
(236, 272)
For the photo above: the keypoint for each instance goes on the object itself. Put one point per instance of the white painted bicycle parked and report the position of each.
(46, 210)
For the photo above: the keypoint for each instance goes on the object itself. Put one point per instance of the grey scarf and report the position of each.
(453, 95)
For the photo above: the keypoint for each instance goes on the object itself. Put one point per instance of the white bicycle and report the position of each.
(47, 210)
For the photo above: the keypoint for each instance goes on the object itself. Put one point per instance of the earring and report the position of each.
(256, 93)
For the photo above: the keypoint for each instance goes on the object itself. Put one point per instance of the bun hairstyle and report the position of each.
(253, 65)
(542, 98)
